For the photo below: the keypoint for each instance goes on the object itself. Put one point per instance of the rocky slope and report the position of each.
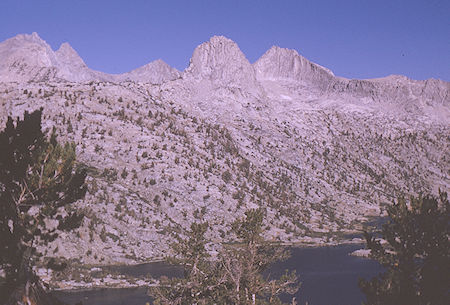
(165, 148)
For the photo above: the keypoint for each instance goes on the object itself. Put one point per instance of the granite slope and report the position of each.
(320, 153)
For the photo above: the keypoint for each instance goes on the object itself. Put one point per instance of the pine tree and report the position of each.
(38, 177)
(234, 277)
(198, 284)
(244, 265)
(416, 255)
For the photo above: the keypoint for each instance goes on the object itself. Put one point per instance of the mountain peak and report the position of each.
(159, 63)
(67, 56)
(65, 47)
(219, 39)
(155, 72)
(220, 59)
(26, 57)
(33, 37)
(282, 63)
(23, 41)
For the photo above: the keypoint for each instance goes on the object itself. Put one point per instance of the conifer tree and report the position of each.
(235, 276)
(198, 285)
(244, 265)
(416, 254)
(38, 177)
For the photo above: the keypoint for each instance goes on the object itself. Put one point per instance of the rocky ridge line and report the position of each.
(318, 152)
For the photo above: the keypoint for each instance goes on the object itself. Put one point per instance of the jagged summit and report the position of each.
(26, 49)
(71, 67)
(220, 59)
(155, 72)
(33, 37)
(280, 63)
(27, 57)
(68, 56)
(217, 63)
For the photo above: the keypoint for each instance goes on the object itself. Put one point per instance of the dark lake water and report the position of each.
(329, 276)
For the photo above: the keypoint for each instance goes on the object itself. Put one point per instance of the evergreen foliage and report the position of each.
(235, 276)
(416, 255)
(38, 176)
(198, 284)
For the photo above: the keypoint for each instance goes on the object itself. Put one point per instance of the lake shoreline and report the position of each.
(121, 282)
(329, 267)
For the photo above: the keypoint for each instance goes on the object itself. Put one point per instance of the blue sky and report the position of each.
(353, 38)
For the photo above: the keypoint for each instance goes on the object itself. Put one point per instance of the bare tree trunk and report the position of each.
(31, 293)
(28, 289)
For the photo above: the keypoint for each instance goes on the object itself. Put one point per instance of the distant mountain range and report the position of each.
(29, 58)
(320, 153)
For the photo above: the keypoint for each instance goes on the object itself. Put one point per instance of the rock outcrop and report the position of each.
(71, 67)
(26, 57)
(156, 72)
(285, 64)
(221, 61)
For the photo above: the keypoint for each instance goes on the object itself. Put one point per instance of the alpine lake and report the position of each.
(329, 276)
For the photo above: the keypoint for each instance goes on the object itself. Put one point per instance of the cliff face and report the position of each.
(280, 64)
(26, 57)
(165, 148)
(220, 60)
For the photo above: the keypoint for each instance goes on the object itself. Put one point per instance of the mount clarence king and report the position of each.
(166, 148)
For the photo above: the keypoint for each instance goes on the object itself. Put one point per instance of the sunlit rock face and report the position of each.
(26, 57)
(281, 64)
(156, 72)
(166, 148)
(220, 60)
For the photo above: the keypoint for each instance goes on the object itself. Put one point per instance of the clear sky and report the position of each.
(353, 38)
